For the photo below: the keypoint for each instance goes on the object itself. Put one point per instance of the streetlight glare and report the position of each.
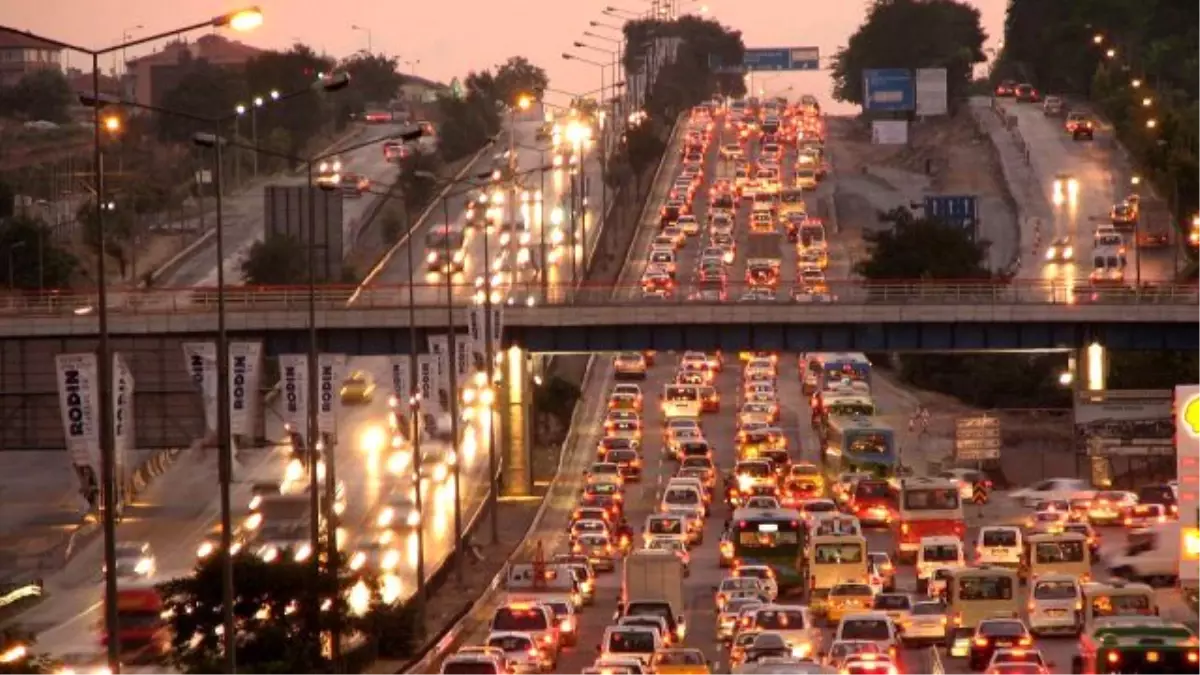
(112, 124)
(524, 102)
(243, 20)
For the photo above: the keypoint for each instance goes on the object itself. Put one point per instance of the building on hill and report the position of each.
(153, 75)
(23, 54)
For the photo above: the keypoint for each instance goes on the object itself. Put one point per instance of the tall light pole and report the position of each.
(240, 110)
(247, 19)
(366, 30)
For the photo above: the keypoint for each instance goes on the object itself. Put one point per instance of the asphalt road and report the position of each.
(549, 213)
(243, 214)
(1102, 182)
(181, 507)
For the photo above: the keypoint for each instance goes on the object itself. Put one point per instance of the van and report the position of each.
(1061, 553)
(1055, 604)
(1150, 554)
(639, 642)
(936, 552)
(1000, 545)
(875, 627)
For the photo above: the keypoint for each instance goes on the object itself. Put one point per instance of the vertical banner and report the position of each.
(463, 363)
(245, 376)
(427, 384)
(330, 373)
(401, 368)
(476, 318)
(293, 374)
(201, 360)
(497, 326)
(123, 433)
(77, 389)
(1187, 463)
(439, 346)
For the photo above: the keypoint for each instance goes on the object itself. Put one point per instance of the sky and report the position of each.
(476, 34)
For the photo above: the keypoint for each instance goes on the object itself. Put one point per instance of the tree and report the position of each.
(375, 76)
(921, 248)
(690, 79)
(467, 124)
(278, 260)
(37, 261)
(516, 77)
(415, 182)
(43, 94)
(119, 230)
(952, 38)
(203, 90)
(290, 71)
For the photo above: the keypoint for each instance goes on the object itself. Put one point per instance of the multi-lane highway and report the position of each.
(243, 213)
(1075, 214)
(643, 498)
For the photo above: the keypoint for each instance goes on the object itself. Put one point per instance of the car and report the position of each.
(1108, 507)
(993, 634)
(1006, 88)
(629, 365)
(1079, 126)
(680, 661)
(927, 622)
(1145, 515)
(880, 565)
(898, 606)
(1026, 93)
(1053, 106)
(869, 664)
(1060, 251)
(1056, 488)
(1065, 188)
(522, 651)
(1006, 656)
(358, 388)
(1124, 214)
(841, 651)
(1050, 520)
(135, 560)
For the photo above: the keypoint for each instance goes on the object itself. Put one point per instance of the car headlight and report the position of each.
(268, 554)
(358, 560)
(390, 560)
(385, 517)
(255, 501)
(1068, 252)
(253, 521)
(205, 549)
(459, 256)
(303, 553)
(414, 518)
(1050, 253)
(431, 257)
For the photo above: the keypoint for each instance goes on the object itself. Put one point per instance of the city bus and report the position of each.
(820, 368)
(929, 507)
(840, 402)
(1116, 599)
(974, 594)
(859, 444)
(773, 537)
(1137, 645)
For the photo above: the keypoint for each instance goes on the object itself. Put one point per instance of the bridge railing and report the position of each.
(392, 297)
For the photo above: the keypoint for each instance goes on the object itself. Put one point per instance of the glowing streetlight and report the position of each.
(1111, 53)
(112, 124)
(1151, 123)
(1097, 38)
(1147, 102)
(243, 20)
(524, 102)
(1135, 83)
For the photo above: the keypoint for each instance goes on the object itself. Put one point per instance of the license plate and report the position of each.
(1056, 612)
(999, 551)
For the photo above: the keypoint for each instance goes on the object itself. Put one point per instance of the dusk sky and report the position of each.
(473, 34)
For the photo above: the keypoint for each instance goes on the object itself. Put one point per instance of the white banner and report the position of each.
(497, 326)
(123, 433)
(77, 393)
(293, 374)
(201, 361)
(477, 325)
(245, 377)
(463, 363)
(427, 384)
(401, 367)
(889, 132)
(330, 373)
(439, 346)
(931, 91)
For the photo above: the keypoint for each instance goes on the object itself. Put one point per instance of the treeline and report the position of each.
(1063, 47)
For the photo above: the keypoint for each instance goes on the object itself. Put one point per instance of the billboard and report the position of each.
(286, 212)
(888, 89)
(961, 211)
(769, 59)
(931, 92)
(1125, 423)
(889, 132)
(245, 377)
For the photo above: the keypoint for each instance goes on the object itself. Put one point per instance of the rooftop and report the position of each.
(21, 40)
(213, 48)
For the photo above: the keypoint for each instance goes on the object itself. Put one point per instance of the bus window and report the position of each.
(760, 534)
(870, 444)
(837, 554)
(931, 499)
(1131, 604)
(1059, 551)
(985, 588)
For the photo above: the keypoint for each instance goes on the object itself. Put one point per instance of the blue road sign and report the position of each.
(889, 89)
(960, 211)
(772, 58)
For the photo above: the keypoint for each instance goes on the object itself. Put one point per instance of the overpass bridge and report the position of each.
(854, 315)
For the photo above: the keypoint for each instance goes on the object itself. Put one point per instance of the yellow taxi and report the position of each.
(680, 661)
(358, 387)
(624, 402)
(631, 365)
(808, 472)
(848, 598)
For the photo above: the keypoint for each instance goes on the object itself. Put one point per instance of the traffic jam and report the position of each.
(749, 512)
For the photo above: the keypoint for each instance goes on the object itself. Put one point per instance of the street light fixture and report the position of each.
(368, 32)
(1135, 83)
(239, 20)
(1111, 53)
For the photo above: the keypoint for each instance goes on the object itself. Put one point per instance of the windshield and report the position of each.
(999, 538)
(865, 629)
(870, 443)
(519, 619)
(893, 602)
(872, 488)
(681, 496)
(511, 643)
(639, 641)
(940, 553)
(837, 554)
(1122, 605)
(682, 394)
(1054, 590)
(985, 588)
(755, 469)
(779, 619)
(842, 409)
(1059, 552)
(767, 534)
(935, 499)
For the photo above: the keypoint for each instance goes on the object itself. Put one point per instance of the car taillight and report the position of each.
(981, 642)
(534, 652)
(1025, 641)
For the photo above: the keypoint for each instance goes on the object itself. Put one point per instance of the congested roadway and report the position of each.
(1074, 215)
(643, 498)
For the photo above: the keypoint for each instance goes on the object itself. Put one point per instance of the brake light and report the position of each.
(1114, 657)
(1025, 641)
(548, 639)
(981, 642)
(533, 651)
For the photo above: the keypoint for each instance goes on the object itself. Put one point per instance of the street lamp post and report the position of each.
(368, 32)
(242, 20)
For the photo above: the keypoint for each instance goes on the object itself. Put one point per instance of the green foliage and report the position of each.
(516, 77)
(118, 226)
(920, 248)
(279, 260)
(645, 144)
(203, 90)
(991, 380)
(1151, 370)
(291, 71)
(42, 94)
(36, 260)
(467, 123)
(689, 80)
(373, 77)
(556, 397)
(951, 33)
(414, 183)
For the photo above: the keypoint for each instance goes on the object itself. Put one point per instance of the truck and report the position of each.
(652, 584)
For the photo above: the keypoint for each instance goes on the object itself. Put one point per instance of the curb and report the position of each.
(153, 467)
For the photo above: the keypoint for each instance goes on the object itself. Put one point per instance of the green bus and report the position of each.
(774, 537)
(1137, 645)
(860, 443)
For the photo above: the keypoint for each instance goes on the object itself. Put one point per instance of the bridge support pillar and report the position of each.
(515, 401)
(1091, 365)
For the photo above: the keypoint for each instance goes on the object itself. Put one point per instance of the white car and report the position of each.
(1000, 545)
(926, 622)
(765, 576)
(937, 552)
(1053, 488)
(135, 560)
(1054, 601)
(522, 651)
(871, 626)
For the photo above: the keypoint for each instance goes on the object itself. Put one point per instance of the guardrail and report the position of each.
(391, 297)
